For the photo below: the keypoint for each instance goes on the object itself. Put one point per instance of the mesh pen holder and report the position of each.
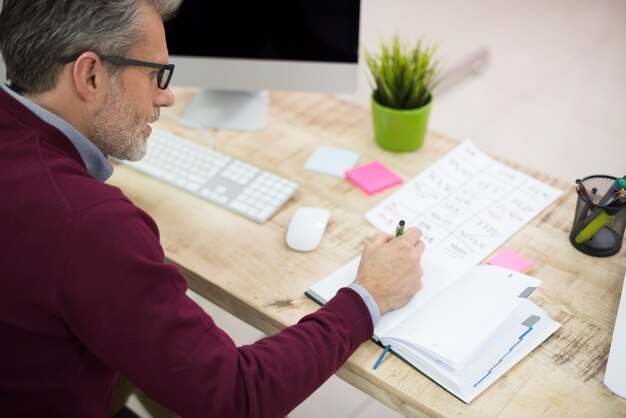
(600, 219)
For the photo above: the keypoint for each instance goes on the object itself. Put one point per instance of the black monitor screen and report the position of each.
(295, 30)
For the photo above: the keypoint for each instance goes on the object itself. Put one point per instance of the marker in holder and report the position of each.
(600, 217)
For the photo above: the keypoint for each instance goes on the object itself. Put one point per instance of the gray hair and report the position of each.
(35, 34)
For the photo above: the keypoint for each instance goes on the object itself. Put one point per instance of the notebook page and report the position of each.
(325, 289)
(526, 328)
(458, 321)
(615, 376)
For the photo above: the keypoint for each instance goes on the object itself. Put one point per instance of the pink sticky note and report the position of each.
(511, 260)
(373, 177)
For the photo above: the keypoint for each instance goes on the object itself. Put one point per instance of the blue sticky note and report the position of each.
(331, 160)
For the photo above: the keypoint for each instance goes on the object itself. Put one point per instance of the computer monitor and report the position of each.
(236, 50)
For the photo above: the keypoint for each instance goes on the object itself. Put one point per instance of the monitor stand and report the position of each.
(229, 110)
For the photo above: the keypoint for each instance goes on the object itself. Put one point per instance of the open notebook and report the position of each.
(469, 323)
(465, 336)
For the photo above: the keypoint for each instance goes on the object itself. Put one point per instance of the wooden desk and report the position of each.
(247, 269)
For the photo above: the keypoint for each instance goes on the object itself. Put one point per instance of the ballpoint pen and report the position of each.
(588, 205)
(400, 228)
(580, 187)
(617, 185)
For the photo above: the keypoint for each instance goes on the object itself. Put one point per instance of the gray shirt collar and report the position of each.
(95, 161)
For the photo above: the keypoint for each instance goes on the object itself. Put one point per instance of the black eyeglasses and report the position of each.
(163, 76)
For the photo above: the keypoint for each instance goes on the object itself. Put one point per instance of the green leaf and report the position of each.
(403, 78)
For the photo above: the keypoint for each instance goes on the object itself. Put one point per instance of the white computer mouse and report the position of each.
(306, 228)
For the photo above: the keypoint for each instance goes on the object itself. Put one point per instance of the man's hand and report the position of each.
(390, 269)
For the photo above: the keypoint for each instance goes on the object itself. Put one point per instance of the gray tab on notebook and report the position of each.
(531, 321)
(527, 292)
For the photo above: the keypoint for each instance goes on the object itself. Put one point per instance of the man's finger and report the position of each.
(412, 234)
(380, 239)
(420, 246)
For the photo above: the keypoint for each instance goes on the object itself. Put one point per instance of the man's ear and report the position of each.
(90, 77)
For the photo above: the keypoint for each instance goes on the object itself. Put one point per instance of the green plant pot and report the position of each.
(400, 130)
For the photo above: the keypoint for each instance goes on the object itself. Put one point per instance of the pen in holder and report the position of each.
(600, 217)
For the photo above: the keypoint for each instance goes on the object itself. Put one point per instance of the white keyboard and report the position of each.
(237, 186)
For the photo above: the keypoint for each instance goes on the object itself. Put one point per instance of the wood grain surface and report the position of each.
(247, 269)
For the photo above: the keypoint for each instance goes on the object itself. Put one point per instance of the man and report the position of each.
(84, 291)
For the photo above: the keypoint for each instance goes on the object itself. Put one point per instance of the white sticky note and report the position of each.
(331, 160)
(615, 376)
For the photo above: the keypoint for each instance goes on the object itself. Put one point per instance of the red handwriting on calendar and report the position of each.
(467, 204)
(389, 215)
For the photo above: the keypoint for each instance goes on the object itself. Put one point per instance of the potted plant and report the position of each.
(402, 80)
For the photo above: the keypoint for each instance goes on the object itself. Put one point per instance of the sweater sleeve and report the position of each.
(130, 309)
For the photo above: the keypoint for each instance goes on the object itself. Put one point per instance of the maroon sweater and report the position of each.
(84, 293)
